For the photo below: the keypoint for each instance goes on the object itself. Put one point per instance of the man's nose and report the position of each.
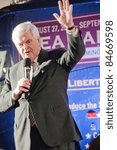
(25, 46)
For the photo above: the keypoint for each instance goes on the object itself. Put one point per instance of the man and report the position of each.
(43, 120)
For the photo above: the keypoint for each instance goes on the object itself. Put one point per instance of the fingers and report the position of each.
(56, 16)
(71, 9)
(23, 85)
(65, 18)
(67, 5)
(60, 5)
(64, 5)
(24, 89)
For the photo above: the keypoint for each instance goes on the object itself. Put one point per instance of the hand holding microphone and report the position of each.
(23, 84)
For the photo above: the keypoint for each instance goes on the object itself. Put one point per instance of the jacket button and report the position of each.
(42, 71)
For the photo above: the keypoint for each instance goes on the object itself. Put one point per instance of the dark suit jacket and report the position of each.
(48, 94)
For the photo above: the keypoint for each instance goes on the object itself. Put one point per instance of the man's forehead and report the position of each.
(24, 37)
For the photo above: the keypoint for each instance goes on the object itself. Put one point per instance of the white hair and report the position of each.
(22, 28)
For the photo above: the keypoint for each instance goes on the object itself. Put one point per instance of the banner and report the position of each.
(84, 101)
(53, 36)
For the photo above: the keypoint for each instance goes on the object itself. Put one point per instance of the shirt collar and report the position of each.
(35, 60)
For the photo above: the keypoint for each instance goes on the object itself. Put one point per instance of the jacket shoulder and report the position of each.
(15, 66)
(56, 53)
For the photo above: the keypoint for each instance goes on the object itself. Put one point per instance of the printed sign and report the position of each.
(54, 36)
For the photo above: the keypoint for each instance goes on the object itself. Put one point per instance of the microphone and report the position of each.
(27, 67)
(27, 70)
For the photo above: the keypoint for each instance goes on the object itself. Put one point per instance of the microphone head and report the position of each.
(27, 62)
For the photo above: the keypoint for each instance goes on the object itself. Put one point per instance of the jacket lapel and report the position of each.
(20, 70)
(43, 56)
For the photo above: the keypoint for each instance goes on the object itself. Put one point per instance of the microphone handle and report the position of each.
(27, 72)
(27, 75)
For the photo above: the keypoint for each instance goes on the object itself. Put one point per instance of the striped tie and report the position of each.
(31, 117)
(34, 68)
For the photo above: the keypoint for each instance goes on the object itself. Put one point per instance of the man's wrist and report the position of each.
(72, 30)
(14, 96)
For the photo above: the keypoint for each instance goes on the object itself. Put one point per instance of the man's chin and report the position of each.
(26, 56)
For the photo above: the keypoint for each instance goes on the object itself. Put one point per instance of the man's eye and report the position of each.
(20, 45)
(28, 42)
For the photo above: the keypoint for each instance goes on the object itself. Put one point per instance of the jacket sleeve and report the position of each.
(5, 100)
(76, 50)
